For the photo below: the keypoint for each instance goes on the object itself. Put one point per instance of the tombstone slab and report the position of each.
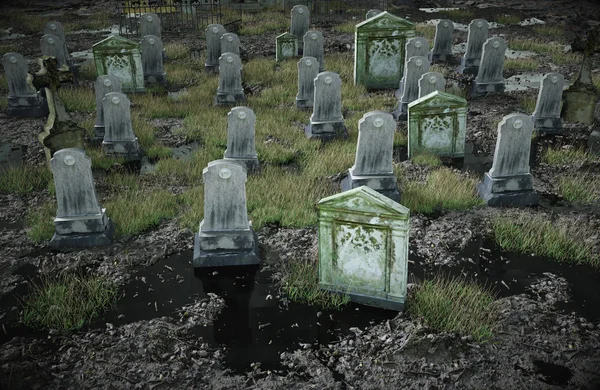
(102, 86)
(430, 82)
(477, 35)
(442, 43)
(150, 25)
(53, 46)
(120, 57)
(213, 35)
(152, 60)
(230, 90)
(594, 142)
(308, 69)
(313, 47)
(119, 139)
(23, 98)
(240, 139)
(300, 22)
(372, 12)
(489, 75)
(286, 46)
(417, 46)
(326, 121)
(414, 69)
(56, 28)
(230, 43)
(546, 116)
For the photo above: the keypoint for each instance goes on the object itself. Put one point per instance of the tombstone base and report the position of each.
(386, 185)
(224, 257)
(382, 303)
(34, 106)
(230, 99)
(127, 149)
(156, 79)
(508, 191)
(211, 68)
(480, 89)
(401, 113)
(98, 137)
(84, 240)
(442, 58)
(547, 125)
(304, 104)
(88, 224)
(594, 143)
(251, 165)
(326, 130)
(468, 66)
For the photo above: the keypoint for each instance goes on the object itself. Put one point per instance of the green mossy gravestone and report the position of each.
(363, 247)
(120, 57)
(437, 124)
(286, 46)
(379, 55)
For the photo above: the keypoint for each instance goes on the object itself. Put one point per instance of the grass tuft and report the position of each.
(521, 64)
(567, 156)
(24, 179)
(508, 19)
(40, 222)
(177, 51)
(552, 31)
(78, 98)
(427, 31)
(427, 159)
(581, 188)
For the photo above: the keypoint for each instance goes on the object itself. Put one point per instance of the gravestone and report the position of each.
(308, 69)
(442, 43)
(379, 50)
(326, 121)
(213, 47)
(489, 76)
(313, 47)
(230, 43)
(120, 57)
(373, 164)
(152, 60)
(119, 139)
(102, 86)
(546, 116)
(594, 142)
(509, 182)
(430, 82)
(56, 28)
(478, 34)
(53, 46)
(415, 68)
(417, 46)
(230, 90)
(363, 247)
(150, 25)
(80, 220)
(437, 124)
(240, 139)
(286, 46)
(372, 12)
(226, 237)
(300, 22)
(23, 98)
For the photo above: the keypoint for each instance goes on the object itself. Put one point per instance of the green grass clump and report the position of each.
(24, 179)
(508, 19)
(346, 27)
(100, 160)
(582, 188)
(67, 302)
(87, 71)
(427, 159)
(80, 99)
(527, 102)
(521, 64)
(550, 31)
(177, 51)
(426, 30)
(454, 305)
(560, 156)
(40, 222)
(264, 21)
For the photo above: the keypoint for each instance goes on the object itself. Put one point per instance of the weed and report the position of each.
(159, 151)
(527, 102)
(426, 30)
(581, 188)
(100, 160)
(40, 222)
(24, 179)
(345, 28)
(427, 159)
(80, 99)
(176, 51)
(552, 31)
(567, 156)
(87, 71)
(563, 58)
(521, 64)
(264, 21)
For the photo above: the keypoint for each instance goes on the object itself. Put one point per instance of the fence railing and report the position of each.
(327, 12)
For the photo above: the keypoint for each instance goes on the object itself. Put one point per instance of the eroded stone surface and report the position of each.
(120, 57)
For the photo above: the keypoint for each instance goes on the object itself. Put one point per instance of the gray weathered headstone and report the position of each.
(478, 34)
(414, 47)
(226, 237)
(313, 47)
(326, 121)
(230, 43)
(102, 86)
(442, 43)
(213, 46)
(594, 142)
(80, 220)
(308, 69)
(372, 12)
(119, 139)
(240, 138)
(431, 81)
(373, 165)
(230, 91)
(546, 115)
(509, 182)
(152, 60)
(150, 25)
(286, 46)
(23, 99)
(413, 70)
(489, 76)
(300, 22)
(56, 28)
(53, 46)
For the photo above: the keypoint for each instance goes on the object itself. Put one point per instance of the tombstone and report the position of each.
(120, 57)
(442, 43)
(56, 28)
(226, 237)
(313, 47)
(230, 90)
(150, 25)
(53, 46)
(102, 86)
(373, 165)
(152, 60)
(286, 46)
(119, 139)
(326, 121)
(379, 50)
(489, 76)
(80, 220)
(240, 139)
(594, 142)
(415, 68)
(417, 46)
(300, 22)
(308, 69)
(546, 116)
(478, 34)
(509, 182)
(230, 43)
(363, 247)
(213, 47)
(430, 82)
(23, 98)
(372, 12)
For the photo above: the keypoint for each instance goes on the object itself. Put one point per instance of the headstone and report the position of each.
(230, 91)
(373, 165)
(594, 142)
(308, 69)
(300, 22)
(326, 121)
(240, 138)
(230, 43)
(313, 47)
(150, 25)
(417, 46)
(120, 57)
(56, 28)
(489, 76)
(53, 46)
(213, 46)
(430, 82)
(80, 220)
(226, 237)
(478, 34)
(442, 43)
(415, 68)
(152, 60)
(509, 182)
(546, 116)
(379, 50)
(23, 99)
(102, 86)
(363, 247)
(119, 139)
(286, 46)
(437, 124)
(372, 12)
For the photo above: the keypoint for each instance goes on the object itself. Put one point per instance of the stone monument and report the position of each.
(478, 34)
(326, 121)
(119, 139)
(230, 90)
(23, 98)
(308, 69)
(240, 139)
(489, 75)
(546, 116)
(213, 46)
(102, 86)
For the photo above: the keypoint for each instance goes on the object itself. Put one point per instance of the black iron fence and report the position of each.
(327, 12)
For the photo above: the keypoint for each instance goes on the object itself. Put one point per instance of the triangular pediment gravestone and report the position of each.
(120, 57)
(286, 46)
(363, 199)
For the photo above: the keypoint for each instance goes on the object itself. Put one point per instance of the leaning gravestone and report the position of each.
(313, 47)
(509, 182)
(240, 139)
(53, 46)
(230, 43)
(56, 28)
(102, 86)
(478, 34)
(430, 82)
(230, 90)
(300, 21)
(120, 57)
(308, 69)
(152, 60)
(372, 12)
(150, 25)
(415, 68)
(379, 50)
(363, 247)
(373, 165)
(23, 99)
(80, 221)
(226, 237)
(442, 43)
(546, 116)
(213, 46)
(489, 76)
(326, 121)
(119, 139)
(286, 46)
(417, 46)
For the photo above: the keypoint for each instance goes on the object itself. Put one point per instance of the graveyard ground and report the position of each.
(499, 298)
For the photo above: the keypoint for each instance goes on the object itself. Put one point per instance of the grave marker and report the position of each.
(415, 68)
(230, 43)
(286, 46)
(313, 47)
(53, 46)
(150, 25)
(430, 82)
(56, 28)
(442, 43)
(489, 76)
(152, 60)
(102, 86)
(240, 138)
(300, 21)
(120, 57)
(326, 121)
(308, 69)
(546, 115)
(23, 99)
(478, 34)
(213, 35)
(372, 12)
(119, 139)
(230, 90)
(414, 47)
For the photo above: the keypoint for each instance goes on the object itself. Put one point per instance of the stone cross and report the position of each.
(308, 69)
(53, 46)
(102, 86)
(478, 34)
(489, 76)
(431, 81)
(150, 25)
(313, 47)
(300, 21)
(230, 43)
(56, 28)
(442, 43)
(23, 99)
(286, 46)
(372, 12)
(213, 46)
(413, 70)
(417, 46)
(152, 60)
(240, 138)
(230, 91)
(119, 139)
(546, 115)
(326, 121)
